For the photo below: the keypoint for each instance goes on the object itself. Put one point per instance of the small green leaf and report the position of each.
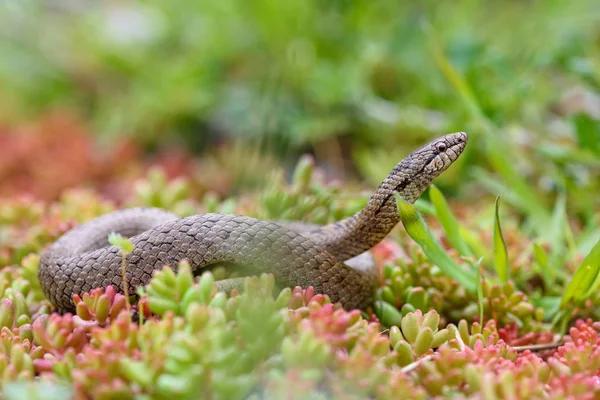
(448, 221)
(417, 229)
(500, 252)
(405, 353)
(423, 341)
(418, 298)
(303, 173)
(432, 320)
(121, 243)
(388, 314)
(586, 277)
(410, 327)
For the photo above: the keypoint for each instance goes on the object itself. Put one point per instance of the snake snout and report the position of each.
(456, 143)
(458, 138)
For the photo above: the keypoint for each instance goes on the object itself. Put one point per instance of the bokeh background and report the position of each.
(224, 92)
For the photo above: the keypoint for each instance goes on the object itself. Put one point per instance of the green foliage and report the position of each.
(37, 390)
(175, 292)
(123, 244)
(157, 191)
(417, 229)
(305, 198)
(304, 74)
(416, 335)
(586, 278)
(192, 340)
(448, 221)
(500, 252)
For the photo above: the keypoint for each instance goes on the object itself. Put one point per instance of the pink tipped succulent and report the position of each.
(510, 334)
(339, 328)
(581, 352)
(56, 333)
(98, 307)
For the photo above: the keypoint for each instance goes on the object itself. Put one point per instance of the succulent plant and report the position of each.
(422, 337)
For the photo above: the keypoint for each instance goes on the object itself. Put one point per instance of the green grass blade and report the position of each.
(556, 234)
(417, 229)
(541, 258)
(480, 281)
(448, 221)
(589, 236)
(425, 207)
(540, 255)
(586, 279)
(500, 252)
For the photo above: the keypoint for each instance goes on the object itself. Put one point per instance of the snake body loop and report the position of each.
(331, 258)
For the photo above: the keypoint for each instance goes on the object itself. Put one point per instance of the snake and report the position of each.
(334, 259)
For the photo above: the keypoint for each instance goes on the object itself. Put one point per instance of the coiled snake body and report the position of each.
(331, 258)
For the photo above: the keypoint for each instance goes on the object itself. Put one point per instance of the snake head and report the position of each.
(442, 152)
(416, 172)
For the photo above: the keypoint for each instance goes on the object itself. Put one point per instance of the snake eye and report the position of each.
(441, 147)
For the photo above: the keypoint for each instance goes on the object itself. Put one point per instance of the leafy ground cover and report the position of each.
(491, 327)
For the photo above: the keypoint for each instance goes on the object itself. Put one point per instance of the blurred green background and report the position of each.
(248, 85)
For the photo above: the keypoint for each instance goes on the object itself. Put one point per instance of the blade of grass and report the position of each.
(555, 236)
(500, 252)
(480, 281)
(586, 277)
(448, 221)
(541, 257)
(589, 236)
(556, 232)
(417, 229)
(425, 207)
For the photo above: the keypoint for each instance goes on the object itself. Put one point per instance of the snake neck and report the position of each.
(354, 235)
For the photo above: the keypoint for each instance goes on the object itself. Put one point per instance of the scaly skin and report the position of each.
(296, 254)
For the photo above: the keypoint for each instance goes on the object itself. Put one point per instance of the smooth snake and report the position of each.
(334, 258)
